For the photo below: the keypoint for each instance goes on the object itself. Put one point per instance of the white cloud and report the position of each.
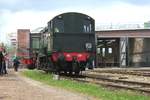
(120, 13)
(10, 21)
(22, 20)
(9, 1)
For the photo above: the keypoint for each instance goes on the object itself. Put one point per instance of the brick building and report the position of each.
(23, 42)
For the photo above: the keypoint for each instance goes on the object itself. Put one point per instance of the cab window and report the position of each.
(59, 26)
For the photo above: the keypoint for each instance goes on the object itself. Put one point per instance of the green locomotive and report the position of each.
(67, 44)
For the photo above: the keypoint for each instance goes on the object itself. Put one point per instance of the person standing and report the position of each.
(1, 62)
(16, 64)
(4, 61)
(4, 70)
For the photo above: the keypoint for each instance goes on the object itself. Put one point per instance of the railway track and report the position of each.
(128, 72)
(109, 82)
(119, 83)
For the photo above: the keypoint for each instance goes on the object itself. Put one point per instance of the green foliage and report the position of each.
(88, 89)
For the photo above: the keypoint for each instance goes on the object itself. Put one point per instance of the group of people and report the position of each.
(3, 63)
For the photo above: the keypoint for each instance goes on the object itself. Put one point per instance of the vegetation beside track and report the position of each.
(85, 88)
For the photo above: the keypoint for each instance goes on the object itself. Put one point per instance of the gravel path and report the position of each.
(15, 87)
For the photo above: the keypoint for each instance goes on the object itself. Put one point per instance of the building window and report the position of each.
(90, 27)
(84, 28)
(98, 50)
(110, 50)
(103, 52)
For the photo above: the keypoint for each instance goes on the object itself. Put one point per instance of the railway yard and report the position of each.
(86, 50)
(116, 59)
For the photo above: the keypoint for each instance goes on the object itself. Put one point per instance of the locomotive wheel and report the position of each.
(70, 72)
(77, 72)
(76, 68)
(69, 67)
(31, 66)
(57, 69)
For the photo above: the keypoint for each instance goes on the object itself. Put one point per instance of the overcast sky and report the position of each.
(18, 14)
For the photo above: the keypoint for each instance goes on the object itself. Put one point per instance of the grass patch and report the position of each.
(85, 88)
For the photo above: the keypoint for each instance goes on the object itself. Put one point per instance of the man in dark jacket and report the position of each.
(1, 62)
(4, 62)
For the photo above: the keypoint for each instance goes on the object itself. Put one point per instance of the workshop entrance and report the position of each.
(108, 52)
